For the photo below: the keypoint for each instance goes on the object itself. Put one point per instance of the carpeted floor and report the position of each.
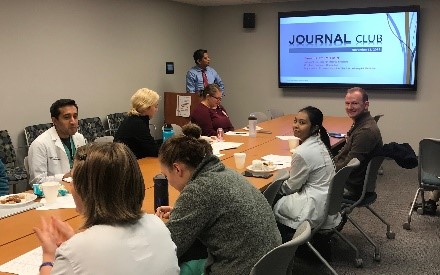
(412, 252)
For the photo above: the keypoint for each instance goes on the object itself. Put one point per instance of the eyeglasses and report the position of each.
(218, 98)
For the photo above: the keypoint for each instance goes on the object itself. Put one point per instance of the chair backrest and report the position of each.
(26, 166)
(104, 139)
(274, 113)
(260, 116)
(429, 158)
(7, 151)
(26, 163)
(114, 121)
(377, 117)
(177, 130)
(371, 174)
(272, 190)
(277, 261)
(336, 189)
(33, 131)
(91, 128)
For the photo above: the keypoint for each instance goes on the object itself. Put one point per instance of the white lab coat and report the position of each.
(306, 189)
(47, 156)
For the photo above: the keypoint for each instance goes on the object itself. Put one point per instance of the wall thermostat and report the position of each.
(169, 67)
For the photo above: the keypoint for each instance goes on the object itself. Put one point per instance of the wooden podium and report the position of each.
(170, 106)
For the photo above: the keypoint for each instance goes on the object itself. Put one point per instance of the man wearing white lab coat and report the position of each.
(51, 153)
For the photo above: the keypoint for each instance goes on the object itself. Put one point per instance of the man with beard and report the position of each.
(51, 153)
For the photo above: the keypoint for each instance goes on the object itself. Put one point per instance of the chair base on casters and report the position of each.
(425, 207)
(324, 261)
(376, 255)
(407, 225)
(390, 234)
(357, 260)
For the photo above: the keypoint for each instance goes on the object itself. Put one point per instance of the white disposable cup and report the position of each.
(293, 143)
(257, 165)
(240, 159)
(50, 191)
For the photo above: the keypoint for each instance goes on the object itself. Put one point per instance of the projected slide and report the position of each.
(377, 48)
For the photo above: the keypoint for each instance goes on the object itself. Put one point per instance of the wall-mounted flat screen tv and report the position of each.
(373, 48)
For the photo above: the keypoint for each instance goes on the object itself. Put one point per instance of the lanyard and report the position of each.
(70, 151)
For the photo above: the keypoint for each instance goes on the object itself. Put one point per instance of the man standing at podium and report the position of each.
(201, 75)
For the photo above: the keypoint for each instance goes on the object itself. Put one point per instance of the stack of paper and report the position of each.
(26, 264)
(224, 145)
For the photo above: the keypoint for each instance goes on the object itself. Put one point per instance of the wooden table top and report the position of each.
(17, 236)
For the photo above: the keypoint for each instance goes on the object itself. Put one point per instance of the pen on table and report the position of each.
(264, 132)
(228, 148)
(240, 133)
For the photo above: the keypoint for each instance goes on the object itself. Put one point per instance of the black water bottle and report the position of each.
(160, 191)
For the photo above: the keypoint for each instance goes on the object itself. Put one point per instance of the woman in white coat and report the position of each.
(304, 193)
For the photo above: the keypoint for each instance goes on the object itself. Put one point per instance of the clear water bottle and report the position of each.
(252, 126)
(160, 191)
(167, 132)
(220, 134)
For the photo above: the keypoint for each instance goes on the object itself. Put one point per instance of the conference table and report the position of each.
(17, 236)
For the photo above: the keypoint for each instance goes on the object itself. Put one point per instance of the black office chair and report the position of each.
(114, 121)
(91, 128)
(14, 172)
(33, 131)
(429, 173)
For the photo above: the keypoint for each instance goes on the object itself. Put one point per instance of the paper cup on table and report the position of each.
(240, 159)
(50, 191)
(293, 143)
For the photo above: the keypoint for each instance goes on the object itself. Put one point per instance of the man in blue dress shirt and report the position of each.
(199, 76)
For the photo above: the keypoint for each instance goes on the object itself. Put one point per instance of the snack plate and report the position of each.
(29, 197)
(266, 170)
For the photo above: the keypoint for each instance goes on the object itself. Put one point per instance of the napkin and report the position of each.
(280, 162)
(62, 202)
(285, 137)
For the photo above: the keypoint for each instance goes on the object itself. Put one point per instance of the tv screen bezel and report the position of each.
(369, 10)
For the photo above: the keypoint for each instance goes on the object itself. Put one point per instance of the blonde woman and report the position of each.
(134, 130)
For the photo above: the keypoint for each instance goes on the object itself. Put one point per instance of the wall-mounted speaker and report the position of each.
(248, 20)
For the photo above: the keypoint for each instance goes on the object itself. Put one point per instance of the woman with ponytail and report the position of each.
(217, 207)
(304, 192)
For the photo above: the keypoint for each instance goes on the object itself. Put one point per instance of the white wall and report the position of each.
(247, 62)
(97, 52)
(100, 52)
